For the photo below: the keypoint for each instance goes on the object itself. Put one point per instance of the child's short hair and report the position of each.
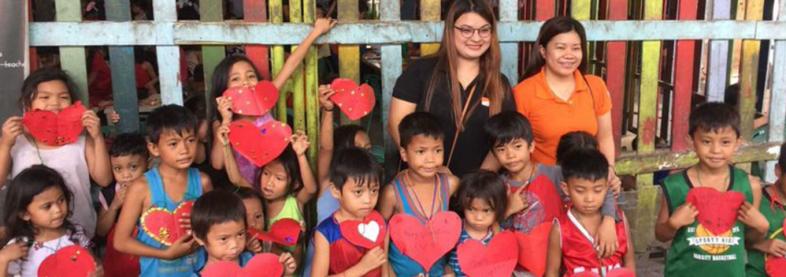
(344, 136)
(46, 74)
(575, 140)
(169, 117)
(354, 163)
(419, 123)
(587, 164)
(782, 158)
(713, 116)
(485, 185)
(506, 127)
(128, 144)
(215, 207)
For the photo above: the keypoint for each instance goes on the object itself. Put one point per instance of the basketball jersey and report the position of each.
(343, 254)
(772, 209)
(694, 250)
(578, 252)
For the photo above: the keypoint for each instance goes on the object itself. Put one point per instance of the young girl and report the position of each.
(78, 162)
(481, 200)
(772, 207)
(36, 212)
(235, 71)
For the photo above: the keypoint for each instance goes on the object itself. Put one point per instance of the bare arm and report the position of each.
(325, 134)
(398, 110)
(12, 128)
(96, 154)
(490, 163)
(387, 202)
(554, 255)
(124, 240)
(321, 26)
(207, 185)
(107, 217)
(217, 149)
(300, 145)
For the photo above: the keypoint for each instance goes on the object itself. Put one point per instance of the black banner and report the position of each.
(13, 50)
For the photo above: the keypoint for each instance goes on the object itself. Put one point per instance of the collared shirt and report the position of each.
(551, 117)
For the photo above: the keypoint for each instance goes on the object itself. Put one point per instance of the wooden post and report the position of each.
(749, 72)
(169, 57)
(348, 55)
(647, 193)
(510, 54)
(256, 11)
(683, 78)
(298, 85)
(72, 58)
(391, 68)
(582, 10)
(123, 75)
(277, 58)
(615, 69)
(312, 82)
(429, 11)
(719, 55)
(211, 11)
(777, 132)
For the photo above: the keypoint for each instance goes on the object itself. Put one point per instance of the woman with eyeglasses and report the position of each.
(461, 85)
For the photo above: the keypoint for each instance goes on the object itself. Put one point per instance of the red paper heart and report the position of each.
(425, 243)
(618, 272)
(533, 248)
(69, 261)
(264, 265)
(494, 259)
(368, 233)
(163, 225)
(259, 145)
(775, 266)
(284, 232)
(55, 129)
(353, 100)
(256, 100)
(717, 210)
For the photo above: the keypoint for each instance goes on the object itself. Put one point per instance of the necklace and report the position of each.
(419, 209)
(531, 174)
(701, 184)
(37, 150)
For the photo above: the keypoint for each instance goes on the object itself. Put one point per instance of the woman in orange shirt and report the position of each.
(557, 97)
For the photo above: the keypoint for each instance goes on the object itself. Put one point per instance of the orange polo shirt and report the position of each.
(552, 117)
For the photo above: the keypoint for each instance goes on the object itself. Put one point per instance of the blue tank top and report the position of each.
(183, 266)
(403, 265)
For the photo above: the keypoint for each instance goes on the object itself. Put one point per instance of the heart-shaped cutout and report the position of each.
(495, 259)
(55, 129)
(617, 272)
(353, 100)
(164, 226)
(717, 210)
(69, 261)
(284, 232)
(775, 266)
(259, 145)
(368, 233)
(425, 243)
(264, 265)
(534, 247)
(253, 100)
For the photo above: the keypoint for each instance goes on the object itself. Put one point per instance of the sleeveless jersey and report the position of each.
(578, 252)
(772, 209)
(343, 254)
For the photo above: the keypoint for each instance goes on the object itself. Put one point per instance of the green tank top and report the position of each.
(290, 210)
(691, 254)
(773, 211)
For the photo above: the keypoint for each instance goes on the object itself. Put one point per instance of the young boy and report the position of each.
(354, 178)
(773, 209)
(421, 190)
(218, 222)
(571, 242)
(714, 130)
(171, 138)
(535, 196)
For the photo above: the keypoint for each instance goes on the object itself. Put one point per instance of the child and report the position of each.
(36, 212)
(535, 196)
(714, 130)
(481, 200)
(571, 242)
(423, 189)
(773, 210)
(171, 138)
(218, 221)
(78, 162)
(128, 156)
(235, 71)
(354, 181)
(255, 215)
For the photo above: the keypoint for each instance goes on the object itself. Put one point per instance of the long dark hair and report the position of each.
(220, 78)
(21, 191)
(30, 85)
(289, 161)
(550, 29)
(493, 85)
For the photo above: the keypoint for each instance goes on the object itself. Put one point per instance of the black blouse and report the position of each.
(472, 144)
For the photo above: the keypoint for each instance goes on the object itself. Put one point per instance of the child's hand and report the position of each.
(12, 128)
(253, 244)
(114, 117)
(185, 222)
(290, 265)
(684, 215)
(13, 251)
(222, 133)
(182, 246)
(373, 258)
(300, 143)
(91, 122)
(774, 247)
(325, 92)
(751, 216)
(323, 25)
(615, 184)
(606, 240)
(224, 106)
(119, 197)
(517, 202)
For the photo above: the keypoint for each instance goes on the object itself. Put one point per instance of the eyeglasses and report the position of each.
(468, 32)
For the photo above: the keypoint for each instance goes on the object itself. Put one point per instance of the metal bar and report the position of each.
(167, 55)
(683, 78)
(123, 75)
(72, 59)
(256, 11)
(718, 75)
